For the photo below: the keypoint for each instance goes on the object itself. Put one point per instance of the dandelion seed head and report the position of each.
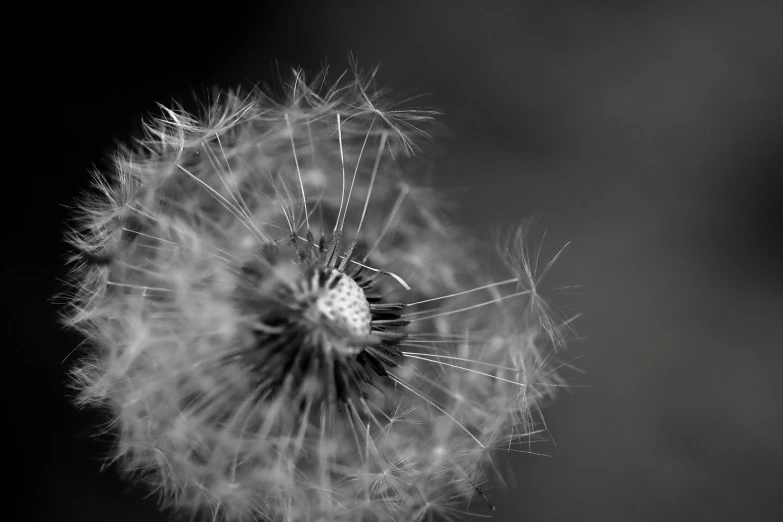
(284, 325)
(346, 305)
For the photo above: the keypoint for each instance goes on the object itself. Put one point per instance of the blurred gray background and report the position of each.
(649, 133)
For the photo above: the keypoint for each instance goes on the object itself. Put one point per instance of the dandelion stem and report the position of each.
(223, 201)
(466, 369)
(485, 303)
(342, 164)
(492, 285)
(298, 171)
(241, 205)
(464, 359)
(372, 182)
(401, 383)
(356, 170)
(389, 220)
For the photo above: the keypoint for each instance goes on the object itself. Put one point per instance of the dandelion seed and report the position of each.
(257, 289)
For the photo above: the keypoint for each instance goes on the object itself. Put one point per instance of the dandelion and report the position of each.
(284, 326)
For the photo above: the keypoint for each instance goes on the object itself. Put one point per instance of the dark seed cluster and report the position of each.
(314, 318)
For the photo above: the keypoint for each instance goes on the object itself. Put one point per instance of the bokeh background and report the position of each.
(648, 132)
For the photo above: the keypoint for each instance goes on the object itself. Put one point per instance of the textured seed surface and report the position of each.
(346, 305)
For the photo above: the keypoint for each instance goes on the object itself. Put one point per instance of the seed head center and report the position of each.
(343, 302)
